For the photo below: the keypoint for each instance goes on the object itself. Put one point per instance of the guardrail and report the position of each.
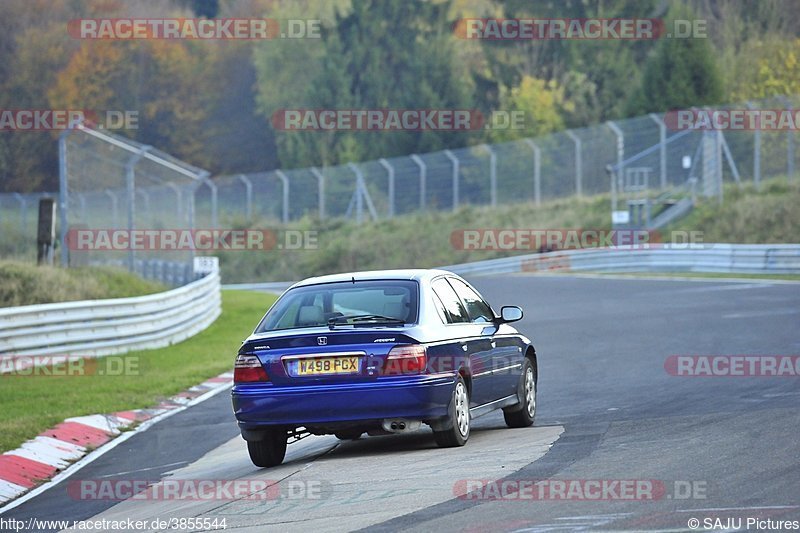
(105, 327)
(720, 258)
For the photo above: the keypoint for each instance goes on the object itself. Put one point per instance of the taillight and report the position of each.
(405, 359)
(248, 369)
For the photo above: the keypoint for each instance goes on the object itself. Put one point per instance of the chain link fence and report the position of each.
(110, 182)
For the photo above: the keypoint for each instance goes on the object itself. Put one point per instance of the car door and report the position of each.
(504, 358)
(470, 340)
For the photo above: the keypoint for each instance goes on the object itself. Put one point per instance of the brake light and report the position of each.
(248, 369)
(405, 359)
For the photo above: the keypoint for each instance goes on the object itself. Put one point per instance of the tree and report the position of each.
(380, 55)
(539, 101)
(681, 73)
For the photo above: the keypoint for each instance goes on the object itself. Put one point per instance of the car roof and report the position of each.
(417, 274)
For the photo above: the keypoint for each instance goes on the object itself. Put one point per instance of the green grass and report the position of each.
(31, 404)
(26, 284)
(423, 240)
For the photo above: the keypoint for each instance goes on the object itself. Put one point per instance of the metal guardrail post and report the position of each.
(662, 141)
(285, 196)
(492, 175)
(248, 191)
(578, 163)
(390, 175)
(423, 177)
(456, 169)
(320, 191)
(537, 171)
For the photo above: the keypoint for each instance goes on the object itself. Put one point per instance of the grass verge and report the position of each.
(25, 284)
(32, 404)
(423, 240)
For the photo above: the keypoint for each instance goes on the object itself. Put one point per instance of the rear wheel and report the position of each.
(269, 451)
(522, 414)
(458, 431)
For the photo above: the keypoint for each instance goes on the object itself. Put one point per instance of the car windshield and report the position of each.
(373, 303)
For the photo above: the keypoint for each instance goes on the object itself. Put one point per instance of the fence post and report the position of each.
(492, 175)
(178, 198)
(578, 163)
(620, 151)
(146, 197)
(662, 141)
(390, 174)
(456, 165)
(756, 152)
(789, 143)
(248, 191)
(423, 177)
(130, 186)
(114, 212)
(285, 201)
(214, 205)
(320, 191)
(63, 195)
(537, 171)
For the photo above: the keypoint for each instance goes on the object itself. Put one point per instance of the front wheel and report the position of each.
(270, 450)
(458, 431)
(522, 414)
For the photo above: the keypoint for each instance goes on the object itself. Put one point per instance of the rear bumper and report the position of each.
(415, 397)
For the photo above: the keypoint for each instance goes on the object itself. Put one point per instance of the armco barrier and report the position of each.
(722, 258)
(105, 327)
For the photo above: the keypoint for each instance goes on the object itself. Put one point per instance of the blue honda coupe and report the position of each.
(380, 353)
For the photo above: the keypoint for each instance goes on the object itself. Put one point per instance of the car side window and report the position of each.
(452, 304)
(477, 309)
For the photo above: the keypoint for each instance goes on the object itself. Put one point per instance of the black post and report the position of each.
(47, 231)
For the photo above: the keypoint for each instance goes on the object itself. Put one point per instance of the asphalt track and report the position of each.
(607, 410)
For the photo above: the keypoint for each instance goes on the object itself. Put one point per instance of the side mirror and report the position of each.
(510, 313)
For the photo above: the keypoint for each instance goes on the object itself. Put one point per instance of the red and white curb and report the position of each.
(55, 451)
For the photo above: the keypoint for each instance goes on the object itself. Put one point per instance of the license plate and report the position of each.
(327, 365)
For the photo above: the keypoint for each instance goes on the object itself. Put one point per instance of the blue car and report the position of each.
(380, 353)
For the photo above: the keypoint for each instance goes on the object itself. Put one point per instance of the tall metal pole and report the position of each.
(456, 164)
(662, 141)
(423, 178)
(285, 198)
(320, 191)
(63, 196)
(578, 163)
(620, 154)
(390, 174)
(248, 191)
(537, 171)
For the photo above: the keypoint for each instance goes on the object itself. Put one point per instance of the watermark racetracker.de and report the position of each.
(182, 239)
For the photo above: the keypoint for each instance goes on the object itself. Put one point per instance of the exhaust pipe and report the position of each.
(401, 425)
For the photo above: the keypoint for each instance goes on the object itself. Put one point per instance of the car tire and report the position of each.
(352, 434)
(457, 433)
(269, 451)
(523, 414)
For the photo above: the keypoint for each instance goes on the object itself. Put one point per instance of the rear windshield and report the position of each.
(315, 305)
